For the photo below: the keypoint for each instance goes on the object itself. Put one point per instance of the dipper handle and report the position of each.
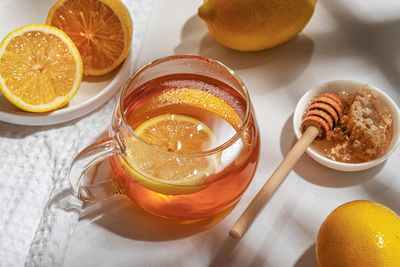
(269, 188)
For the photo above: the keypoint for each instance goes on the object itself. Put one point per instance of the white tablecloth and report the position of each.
(344, 40)
(355, 40)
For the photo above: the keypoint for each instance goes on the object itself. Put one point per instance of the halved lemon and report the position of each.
(101, 29)
(40, 68)
(171, 173)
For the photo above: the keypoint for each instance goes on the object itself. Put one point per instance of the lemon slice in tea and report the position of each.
(171, 173)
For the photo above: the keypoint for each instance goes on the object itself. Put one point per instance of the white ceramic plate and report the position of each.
(93, 92)
(351, 87)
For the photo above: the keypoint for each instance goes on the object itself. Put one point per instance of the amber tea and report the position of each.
(183, 144)
(188, 113)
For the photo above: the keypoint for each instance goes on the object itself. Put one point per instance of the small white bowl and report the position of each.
(351, 87)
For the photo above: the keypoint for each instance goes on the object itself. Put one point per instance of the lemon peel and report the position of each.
(254, 25)
(359, 233)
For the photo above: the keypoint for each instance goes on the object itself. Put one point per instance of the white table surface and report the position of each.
(356, 40)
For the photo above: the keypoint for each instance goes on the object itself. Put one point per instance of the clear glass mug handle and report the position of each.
(84, 162)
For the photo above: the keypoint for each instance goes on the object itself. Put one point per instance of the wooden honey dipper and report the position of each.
(322, 115)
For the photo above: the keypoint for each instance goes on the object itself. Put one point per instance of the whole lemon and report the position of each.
(251, 25)
(359, 233)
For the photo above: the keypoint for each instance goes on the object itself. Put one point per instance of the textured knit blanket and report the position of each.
(34, 162)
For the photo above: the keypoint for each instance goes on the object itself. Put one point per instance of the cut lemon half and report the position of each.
(40, 68)
(101, 29)
(171, 173)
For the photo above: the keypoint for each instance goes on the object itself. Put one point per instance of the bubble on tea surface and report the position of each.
(210, 89)
(206, 96)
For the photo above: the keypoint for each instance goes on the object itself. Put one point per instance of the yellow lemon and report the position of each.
(40, 68)
(359, 233)
(101, 29)
(251, 25)
(170, 173)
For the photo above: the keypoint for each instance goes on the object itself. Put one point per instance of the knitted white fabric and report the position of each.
(33, 175)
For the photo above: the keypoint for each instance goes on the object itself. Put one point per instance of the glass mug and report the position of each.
(184, 142)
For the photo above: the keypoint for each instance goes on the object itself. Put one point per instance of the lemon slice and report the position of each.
(40, 68)
(171, 173)
(101, 29)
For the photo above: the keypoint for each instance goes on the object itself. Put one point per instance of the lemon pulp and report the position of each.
(40, 68)
(101, 29)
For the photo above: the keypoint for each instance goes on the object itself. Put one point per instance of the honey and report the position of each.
(363, 133)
